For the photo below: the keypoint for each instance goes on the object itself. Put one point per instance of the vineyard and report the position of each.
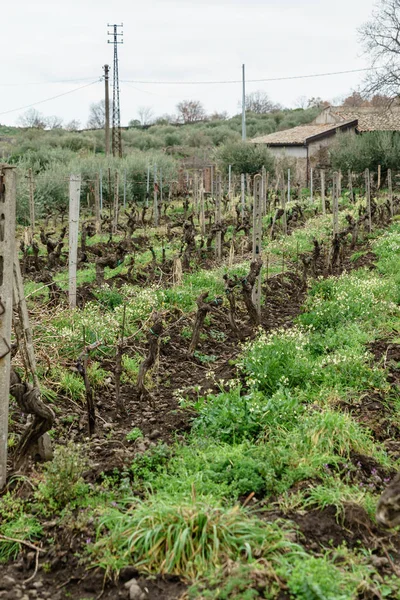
(204, 387)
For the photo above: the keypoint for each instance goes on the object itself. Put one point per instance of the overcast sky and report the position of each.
(50, 47)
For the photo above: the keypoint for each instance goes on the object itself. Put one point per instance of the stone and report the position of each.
(7, 582)
(37, 585)
(136, 593)
(378, 561)
(154, 434)
(130, 582)
(108, 425)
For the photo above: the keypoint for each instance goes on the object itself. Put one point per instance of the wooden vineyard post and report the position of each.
(335, 203)
(288, 185)
(323, 203)
(116, 203)
(368, 195)
(97, 203)
(257, 236)
(379, 177)
(350, 178)
(242, 194)
(74, 203)
(263, 190)
(339, 184)
(283, 205)
(202, 218)
(390, 191)
(148, 186)
(7, 252)
(311, 185)
(196, 193)
(155, 205)
(218, 236)
(31, 202)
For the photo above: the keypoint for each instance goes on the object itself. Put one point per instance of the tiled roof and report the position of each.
(369, 118)
(298, 136)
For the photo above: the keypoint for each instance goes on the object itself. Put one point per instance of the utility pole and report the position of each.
(116, 114)
(107, 107)
(244, 103)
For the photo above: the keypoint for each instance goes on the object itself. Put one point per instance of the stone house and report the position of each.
(307, 146)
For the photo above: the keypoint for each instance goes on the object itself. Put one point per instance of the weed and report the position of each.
(62, 477)
(134, 435)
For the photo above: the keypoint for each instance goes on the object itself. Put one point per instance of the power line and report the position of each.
(6, 112)
(55, 82)
(250, 80)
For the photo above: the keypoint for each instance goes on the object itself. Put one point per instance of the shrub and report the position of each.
(62, 478)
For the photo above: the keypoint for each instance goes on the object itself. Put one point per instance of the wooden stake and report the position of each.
(74, 202)
(7, 253)
(379, 177)
(368, 194)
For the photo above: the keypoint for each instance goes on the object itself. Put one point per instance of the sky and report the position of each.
(50, 48)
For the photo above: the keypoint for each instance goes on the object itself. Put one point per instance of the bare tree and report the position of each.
(301, 102)
(54, 122)
(73, 125)
(191, 111)
(355, 100)
(381, 40)
(146, 115)
(260, 103)
(219, 116)
(317, 102)
(97, 115)
(32, 118)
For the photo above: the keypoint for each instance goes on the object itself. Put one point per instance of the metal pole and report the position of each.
(124, 188)
(7, 252)
(335, 202)
(390, 190)
(74, 202)
(244, 103)
(242, 192)
(257, 237)
(323, 191)
(101, 191)
(107, 109)
(218, 247)
(155, 198)
(31, 203)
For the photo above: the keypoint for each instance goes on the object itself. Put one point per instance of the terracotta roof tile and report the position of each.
(369, 118)
(297, 135)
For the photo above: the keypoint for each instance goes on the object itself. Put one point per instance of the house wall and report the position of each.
(289, 151)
